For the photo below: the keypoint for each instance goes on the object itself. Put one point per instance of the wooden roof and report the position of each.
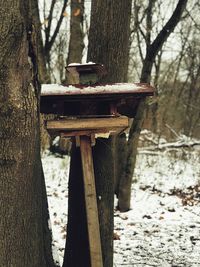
(88, 68)
(100, 90)
(76, 99)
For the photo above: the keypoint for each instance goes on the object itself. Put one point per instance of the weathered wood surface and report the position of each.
(83, 124)
(96, 90)
(71, 100)
(91, 202)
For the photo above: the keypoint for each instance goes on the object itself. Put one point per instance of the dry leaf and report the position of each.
(45, 22)
(65, 14)
(77, 12)
(116, 236)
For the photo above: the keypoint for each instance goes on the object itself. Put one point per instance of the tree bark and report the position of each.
(76, 44)
(43, 72)
(22, 239)
(108, 44)
(109, 37)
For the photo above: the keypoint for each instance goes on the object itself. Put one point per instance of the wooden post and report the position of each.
(91, 202)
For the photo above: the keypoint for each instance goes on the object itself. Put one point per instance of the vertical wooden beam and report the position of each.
(91, 202)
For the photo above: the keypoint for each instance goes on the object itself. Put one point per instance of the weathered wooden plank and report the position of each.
(96, 90)
(84, 132)
(69, 100)
(91, 202)
(88, 124)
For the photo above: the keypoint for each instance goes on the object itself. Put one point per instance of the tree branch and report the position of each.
(47, 29)
(167, 29)
(48, 45)
(149, 22)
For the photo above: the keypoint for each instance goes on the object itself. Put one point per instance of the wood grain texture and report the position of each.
(118, 123)
(91, 202)
(25, 237)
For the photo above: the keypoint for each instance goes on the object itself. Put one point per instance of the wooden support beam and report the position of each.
(82, 124)
(67, 134)
(91, 202)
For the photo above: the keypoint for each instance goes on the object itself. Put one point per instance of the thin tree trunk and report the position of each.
(43, 72)
(76, 44)
(152, 51)
(50, 38)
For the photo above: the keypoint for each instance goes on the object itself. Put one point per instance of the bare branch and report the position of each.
(193, 20)
(48, 45)
(149, 22)
(50, 17)
(168, 28)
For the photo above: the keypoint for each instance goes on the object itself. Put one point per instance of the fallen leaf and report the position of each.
(77, 12)
(171, 209)
(116, 236)
(147, 216)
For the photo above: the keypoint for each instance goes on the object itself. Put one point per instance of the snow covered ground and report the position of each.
(162, 228)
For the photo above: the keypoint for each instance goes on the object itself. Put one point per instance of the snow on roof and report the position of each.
(79, 64)
(116, 88)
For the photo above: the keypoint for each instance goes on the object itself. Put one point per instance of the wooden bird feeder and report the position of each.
(89, 73)
(88, 111)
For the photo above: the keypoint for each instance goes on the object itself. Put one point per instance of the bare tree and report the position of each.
(53, 46)
(152, 49)
(44, 75)
(179, 80)
(51, 37)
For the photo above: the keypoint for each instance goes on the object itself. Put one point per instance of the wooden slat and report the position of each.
(88, 124)
(79, 133)
(98, 133)
(91, 202)
(79, 90)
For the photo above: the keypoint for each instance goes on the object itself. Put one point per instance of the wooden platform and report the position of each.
(88, 126)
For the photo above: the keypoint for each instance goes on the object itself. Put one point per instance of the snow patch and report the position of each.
(160, 230)
(79, 64)
(57, 89)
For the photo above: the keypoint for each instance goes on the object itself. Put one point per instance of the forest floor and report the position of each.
(163, 226)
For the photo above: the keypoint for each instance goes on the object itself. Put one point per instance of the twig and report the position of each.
(172, 130)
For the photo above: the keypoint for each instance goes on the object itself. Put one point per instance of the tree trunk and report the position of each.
(152, 51)
(108, 44)
(109, 37)
(76, 44)
(124, 193)
(43, 72)
(23, 240)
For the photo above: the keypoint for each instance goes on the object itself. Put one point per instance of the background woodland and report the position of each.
(151, 41)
